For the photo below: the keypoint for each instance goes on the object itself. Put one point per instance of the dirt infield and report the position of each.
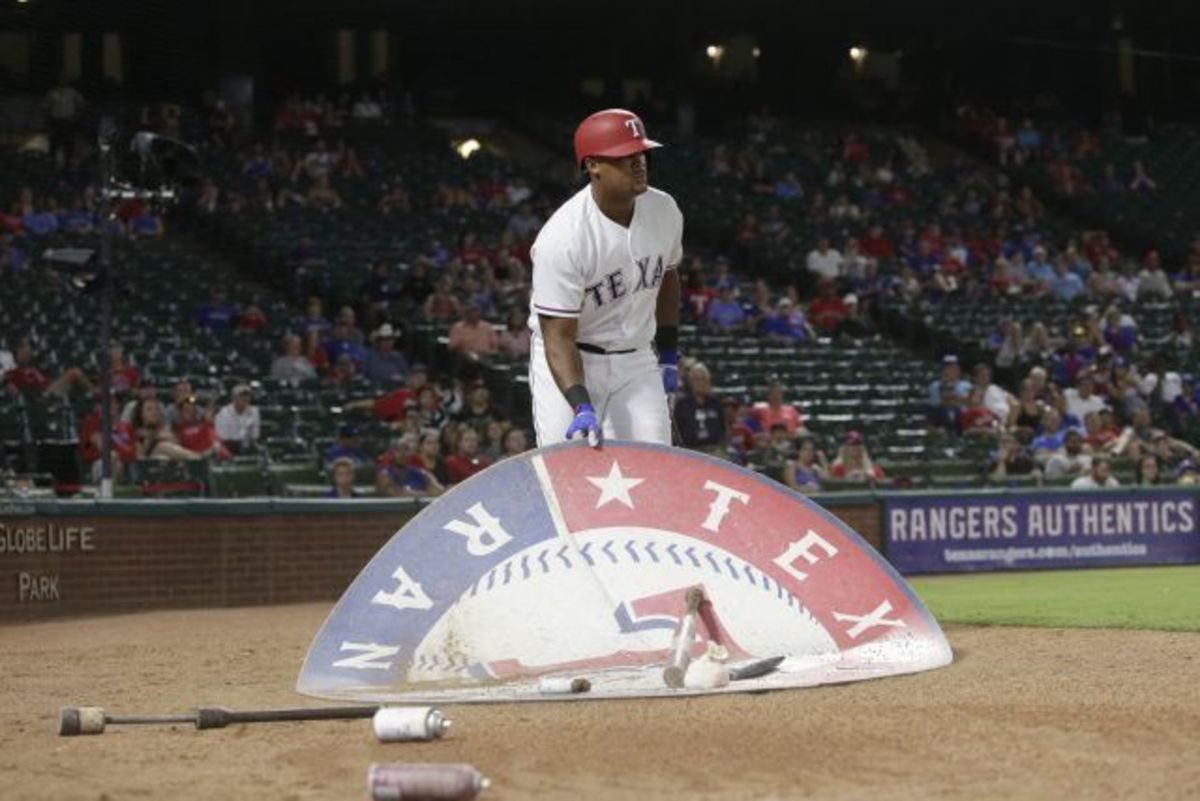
(1023, 713)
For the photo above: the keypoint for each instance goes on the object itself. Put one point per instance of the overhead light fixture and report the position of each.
(468, 147)
(715, 51)
(757, 52)
(858, 54)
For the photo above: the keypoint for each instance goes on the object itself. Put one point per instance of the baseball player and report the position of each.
(605, 288)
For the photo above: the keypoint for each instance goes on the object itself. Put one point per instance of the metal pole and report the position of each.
(106, 292)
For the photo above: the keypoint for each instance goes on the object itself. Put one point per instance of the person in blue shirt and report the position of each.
(218, 314)
(724, 312)
(346, 447)
(1066, 284)
(342, 476)
(342, 342)
(1039, 269)
(787, 323)
(384, 364)
(948, 394)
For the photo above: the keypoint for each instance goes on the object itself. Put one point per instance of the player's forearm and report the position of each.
(562, 354)
(667, 311)
(565, 364)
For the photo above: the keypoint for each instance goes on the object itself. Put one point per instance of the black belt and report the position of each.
(586, 348)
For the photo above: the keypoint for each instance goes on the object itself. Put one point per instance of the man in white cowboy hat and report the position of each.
(385, 365)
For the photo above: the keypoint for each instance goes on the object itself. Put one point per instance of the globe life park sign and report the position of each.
(36, 543)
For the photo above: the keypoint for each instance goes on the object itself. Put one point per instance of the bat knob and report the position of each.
(76, 720)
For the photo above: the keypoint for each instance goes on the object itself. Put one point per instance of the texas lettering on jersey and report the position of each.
(613, 287)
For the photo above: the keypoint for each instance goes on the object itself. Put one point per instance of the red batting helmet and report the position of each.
(613, 133)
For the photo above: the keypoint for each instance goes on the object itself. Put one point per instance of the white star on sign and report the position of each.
(614, 486)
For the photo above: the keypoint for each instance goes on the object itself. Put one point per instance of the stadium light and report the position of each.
(468, 147)
(757, 52)
(714, 52)
(858, 54)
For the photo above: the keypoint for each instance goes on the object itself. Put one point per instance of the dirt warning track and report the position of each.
(1022, 713)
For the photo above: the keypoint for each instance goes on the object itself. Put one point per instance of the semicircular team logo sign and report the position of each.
(576, 561)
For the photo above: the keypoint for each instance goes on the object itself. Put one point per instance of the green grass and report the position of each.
(1166, 598)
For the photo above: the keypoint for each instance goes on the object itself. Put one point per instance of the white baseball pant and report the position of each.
(626, 390)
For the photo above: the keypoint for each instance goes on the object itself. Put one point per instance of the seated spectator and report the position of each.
(478, 411)
(523, 223)
(341, 473)
(697, 294)
(789, 187)
(772, 452)
(725, 313)
(1051, 438)
(853, 463)
(292, 364)
(466, 461)
(948, 394)
(238, 423)
(472, 336)
(1082, 400)
(774, 411)
(515, 442)
(397, 476)
(347, 448)
(756, 307)
(24, 377)
(788, 323)
(217, 314)
(515, 338)
(441, 303)
(1148, 474)
(827, 311)
(1098, 476)
(123, 376)
(804, 474)
(876, 244)
(154, 437)
(1152, 280)
(975, 418)
(1065, 284)
(194, 430)
(343, 341)
(380, 289)
(313, 319)
(1012, 459)
(428, 458)
(1097, 437)
(124, 449)
(392, 407)
(1071, 460)
(856, 323)
(698, 414)
(384, 365)
(251, 318)
(824, 261)
(774, 227)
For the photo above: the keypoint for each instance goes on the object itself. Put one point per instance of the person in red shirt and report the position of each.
(827, 311)
(853, 462)
(391, 407)
(876, 244)
(26, 378)
(195, 431)
(124, 450)
(774, 411)
(125, 377)
(976, 418)
(467, 460)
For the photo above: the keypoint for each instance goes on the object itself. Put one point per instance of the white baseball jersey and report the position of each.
(589, 267)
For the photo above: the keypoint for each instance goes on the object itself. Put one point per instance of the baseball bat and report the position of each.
(681, 646)
(73, 721)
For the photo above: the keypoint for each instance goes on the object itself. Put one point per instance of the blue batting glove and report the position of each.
(668, 360)
(585, 424)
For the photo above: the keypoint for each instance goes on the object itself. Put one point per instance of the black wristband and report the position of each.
(577, 395)
(666, 338)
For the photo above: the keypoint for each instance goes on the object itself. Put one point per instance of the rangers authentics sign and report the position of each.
(573, 560)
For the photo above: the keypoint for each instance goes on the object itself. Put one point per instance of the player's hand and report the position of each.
(668, 360)
(585, 424)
